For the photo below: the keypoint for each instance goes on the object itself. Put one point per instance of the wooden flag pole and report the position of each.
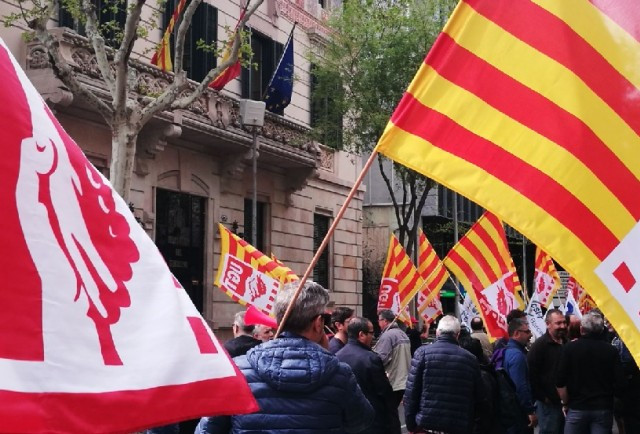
(326, 239)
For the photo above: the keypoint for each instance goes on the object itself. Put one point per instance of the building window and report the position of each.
(204, 27)
(112, 14)
(468, 211)
(326, 107)
(323, 3)
(260, 220)
(321, 270)
(266, 54)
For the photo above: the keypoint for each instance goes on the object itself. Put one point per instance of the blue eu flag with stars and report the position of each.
(280, 88)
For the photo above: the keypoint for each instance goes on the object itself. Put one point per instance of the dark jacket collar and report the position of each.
(447, 338)
(358, 344)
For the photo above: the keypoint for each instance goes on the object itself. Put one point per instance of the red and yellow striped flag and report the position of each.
(400, 279)
(530, 108)
(433, 271)
(234, 70)
(482, 262)
(246, 274)
(545, 277)
(162, 57)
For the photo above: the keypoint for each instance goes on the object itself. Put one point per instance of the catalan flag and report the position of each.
(482, 262)
(400, 279)
(530, 108)
(246, 274)
(434, 273)
(545, 277)
(162, 57)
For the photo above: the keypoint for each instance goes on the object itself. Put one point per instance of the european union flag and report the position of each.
(280, 88)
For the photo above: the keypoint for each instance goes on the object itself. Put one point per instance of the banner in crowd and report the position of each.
(545, 278)
(400, 280)
(535, 317)
(483, 264)
(96, 333)
(570, 306)
(468, 311)
(530, 109)
(247, 275)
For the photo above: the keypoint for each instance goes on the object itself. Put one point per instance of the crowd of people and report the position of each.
(577, 378)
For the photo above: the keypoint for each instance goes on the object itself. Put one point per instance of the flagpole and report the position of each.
(456, 305)
(524, 270)
(325, 241)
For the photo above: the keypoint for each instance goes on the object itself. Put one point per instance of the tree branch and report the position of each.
(387, 181)
(97, 41)
(123, 54)
(60, 66)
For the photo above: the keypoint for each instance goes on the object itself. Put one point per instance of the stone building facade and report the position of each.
(193, 167)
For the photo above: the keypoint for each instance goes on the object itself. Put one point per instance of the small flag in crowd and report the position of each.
(96, 334)
(434, 273)
(530, 109)
(400, 279)
(483, 264)
(280, 87)
(247, 275)
(535, 317)
(545, 278)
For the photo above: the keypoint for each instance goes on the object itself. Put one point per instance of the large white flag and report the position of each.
(96, 335)
(535, 317)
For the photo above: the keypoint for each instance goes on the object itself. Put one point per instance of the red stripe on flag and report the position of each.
(536, 112)
(480, 259)
(205, 343)
(625, 13)
(532, 183)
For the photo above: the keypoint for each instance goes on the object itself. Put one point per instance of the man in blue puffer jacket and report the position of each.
(444, 386)
(299, 385)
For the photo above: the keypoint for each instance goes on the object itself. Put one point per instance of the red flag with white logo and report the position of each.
(96, 335)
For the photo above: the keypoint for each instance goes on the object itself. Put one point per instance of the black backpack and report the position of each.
(508, 409)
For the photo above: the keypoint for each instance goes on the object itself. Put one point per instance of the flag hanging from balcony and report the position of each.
(434, 273)
(483, 264)
(400, 280)
(545, 278)
(280, 87)
(247, 275)
(162, 56)
(530, 109)
(87, 302)
(234, 70)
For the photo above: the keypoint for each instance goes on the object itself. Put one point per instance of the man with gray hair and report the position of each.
(299, 385)
(243, 339)
(589, 375)
(444, 386)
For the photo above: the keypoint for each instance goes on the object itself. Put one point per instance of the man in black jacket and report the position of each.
(369, 371)
(543, 361)
(589, 375)
(444, 386)
(243, 340)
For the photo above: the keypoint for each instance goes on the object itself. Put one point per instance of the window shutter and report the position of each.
(320, 229)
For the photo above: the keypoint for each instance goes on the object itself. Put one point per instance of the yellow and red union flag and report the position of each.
(234, 70)
(545, 277)
(530, 109)
(433, 271)
(246, 274)
(482, 262)
(400, 279)
(162, 57)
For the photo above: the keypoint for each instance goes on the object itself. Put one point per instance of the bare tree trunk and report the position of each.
(123, 151)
